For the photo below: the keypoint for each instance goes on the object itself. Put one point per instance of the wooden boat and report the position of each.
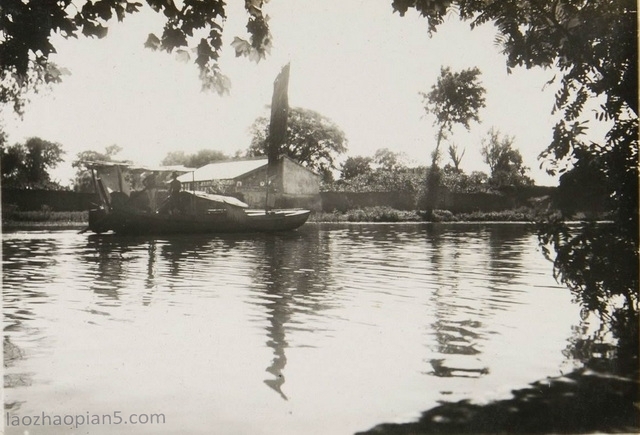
(216, 222)
(229, 219)
(125, 211)
(122, 211)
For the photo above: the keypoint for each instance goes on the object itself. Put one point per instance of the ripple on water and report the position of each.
(300, 326)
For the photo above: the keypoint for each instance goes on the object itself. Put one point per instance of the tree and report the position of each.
(456, 98)
(196, 160)
(389, 160)
(456, 180)
(355, 166)
(456, 156)
(27, 166)
(190, 27)
(83, 181)
(594, 45)
(505, 162)
(385, 172)
(312, 140)
(13, 165)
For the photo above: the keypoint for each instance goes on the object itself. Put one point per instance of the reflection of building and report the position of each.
(292, 186)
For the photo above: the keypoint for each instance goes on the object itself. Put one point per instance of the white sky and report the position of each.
(353, 61)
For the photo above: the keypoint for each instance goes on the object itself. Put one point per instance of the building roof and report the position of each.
(227, 170)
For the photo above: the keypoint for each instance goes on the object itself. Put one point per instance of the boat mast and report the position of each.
(277, 125)
(193, 191)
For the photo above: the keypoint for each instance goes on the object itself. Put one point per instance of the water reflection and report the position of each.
(278, 308)
(333, 319)
(290, 277)
(457, 332)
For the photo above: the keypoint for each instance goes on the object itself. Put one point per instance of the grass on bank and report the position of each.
(45, 217)
(40, 216)
(388, 214)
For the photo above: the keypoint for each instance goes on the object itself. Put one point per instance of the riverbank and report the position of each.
(380, 214)
(44, 220)
(583, 401)
(53, 219)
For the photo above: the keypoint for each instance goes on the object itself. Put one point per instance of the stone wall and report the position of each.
(342, 201)
(57, 200)
(452, 201)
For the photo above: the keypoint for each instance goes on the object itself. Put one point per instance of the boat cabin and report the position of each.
(147, 189)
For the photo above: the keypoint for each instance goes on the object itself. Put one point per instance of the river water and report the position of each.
(330, 329)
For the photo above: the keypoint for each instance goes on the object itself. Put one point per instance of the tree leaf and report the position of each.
(152, 42)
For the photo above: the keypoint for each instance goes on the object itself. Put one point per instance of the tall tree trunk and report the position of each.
(277, 129)
(279, 115)
(433, 179)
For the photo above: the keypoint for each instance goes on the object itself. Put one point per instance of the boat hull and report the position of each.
(247, 221)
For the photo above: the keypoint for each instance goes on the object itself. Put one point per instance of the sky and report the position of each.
(354, 61)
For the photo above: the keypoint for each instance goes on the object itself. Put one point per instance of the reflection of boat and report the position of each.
(126, 211)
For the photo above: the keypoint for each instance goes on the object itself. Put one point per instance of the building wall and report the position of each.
(297, 180)
(293, 187)
(254, 180)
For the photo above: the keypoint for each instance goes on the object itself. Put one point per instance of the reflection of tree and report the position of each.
(504, 252)
(181, 250)
(599, 264)
(150, 280)
(26, 262)
(109, 255)
(279, 312)
(30, 261)
(600, 397)
(586, 400)
(11, 355)
(290, 278)
(460, 328)
(456, 337)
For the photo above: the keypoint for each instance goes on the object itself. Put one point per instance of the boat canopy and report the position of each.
(110, 176)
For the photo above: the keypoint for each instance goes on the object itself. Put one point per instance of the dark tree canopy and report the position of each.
(83, 181)
(27, 166)
(312, 140)
(354, 166)
(386, 171)
(26, 28)
(196, 160)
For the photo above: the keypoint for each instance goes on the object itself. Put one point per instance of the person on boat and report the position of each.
(174, 192)
(150, 186)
